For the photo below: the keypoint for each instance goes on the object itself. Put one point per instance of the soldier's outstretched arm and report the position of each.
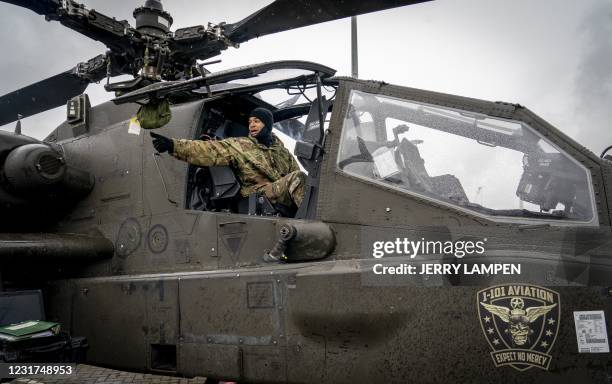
(202, 153)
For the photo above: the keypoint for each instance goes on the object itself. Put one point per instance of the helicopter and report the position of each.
(159, 263)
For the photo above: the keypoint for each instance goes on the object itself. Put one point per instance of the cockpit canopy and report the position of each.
(497, 168)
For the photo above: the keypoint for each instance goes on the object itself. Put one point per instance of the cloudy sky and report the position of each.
(553, 56)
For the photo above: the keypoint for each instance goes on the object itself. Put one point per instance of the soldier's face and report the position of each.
(255, 126)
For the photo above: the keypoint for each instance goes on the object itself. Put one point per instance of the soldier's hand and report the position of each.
(162, 143)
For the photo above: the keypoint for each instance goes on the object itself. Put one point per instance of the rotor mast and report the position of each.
(152, 20)
(154, 23)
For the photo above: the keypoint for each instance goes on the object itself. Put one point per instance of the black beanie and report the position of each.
(265, 135)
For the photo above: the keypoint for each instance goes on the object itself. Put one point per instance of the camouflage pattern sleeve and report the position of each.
(289, 161)
(203, 153)
(294, 164)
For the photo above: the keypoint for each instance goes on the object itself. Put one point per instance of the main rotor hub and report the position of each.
(151, 19)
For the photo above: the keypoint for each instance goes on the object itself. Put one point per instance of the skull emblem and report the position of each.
(520, 332)
(518, 318)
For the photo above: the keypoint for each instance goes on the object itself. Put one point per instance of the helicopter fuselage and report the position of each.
(187, 291)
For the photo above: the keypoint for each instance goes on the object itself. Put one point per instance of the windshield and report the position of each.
(491, 166)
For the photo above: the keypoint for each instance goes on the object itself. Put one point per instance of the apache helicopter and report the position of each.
(160, 263)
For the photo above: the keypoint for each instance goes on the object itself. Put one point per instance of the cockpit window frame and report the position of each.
(565, 145)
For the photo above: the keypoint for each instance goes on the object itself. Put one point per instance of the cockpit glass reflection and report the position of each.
(495, 167)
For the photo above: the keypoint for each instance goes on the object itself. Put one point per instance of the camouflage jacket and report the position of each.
(254, 164)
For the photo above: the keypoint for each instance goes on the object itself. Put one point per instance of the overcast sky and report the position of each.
(553, 56)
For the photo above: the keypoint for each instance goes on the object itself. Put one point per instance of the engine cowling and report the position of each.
(37, 184)
(37, 169)
(33, 166)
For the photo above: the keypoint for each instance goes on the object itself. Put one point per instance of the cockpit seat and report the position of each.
(214, 189)
(218, 189)
(446, 186)
(449, 187)
(260, 205)
(418, 177)
(224, 183)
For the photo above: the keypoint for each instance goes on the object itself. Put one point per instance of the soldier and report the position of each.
(260, 161)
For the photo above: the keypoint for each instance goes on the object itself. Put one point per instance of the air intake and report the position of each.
(49, 165)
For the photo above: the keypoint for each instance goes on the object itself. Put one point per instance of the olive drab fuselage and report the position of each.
(187, 291)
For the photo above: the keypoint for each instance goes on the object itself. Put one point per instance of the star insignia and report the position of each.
(495, 341)
(486, 319)
(551, 321)
(544, 344)
(490, 330)
(549, 332)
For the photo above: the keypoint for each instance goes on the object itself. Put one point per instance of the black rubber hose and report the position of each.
(604, 151)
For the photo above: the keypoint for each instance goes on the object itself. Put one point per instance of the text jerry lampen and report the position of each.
(448, 269)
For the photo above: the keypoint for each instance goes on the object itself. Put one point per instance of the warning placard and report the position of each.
(591, 332)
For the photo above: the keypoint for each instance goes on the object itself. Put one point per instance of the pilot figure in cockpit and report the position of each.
(260, 161)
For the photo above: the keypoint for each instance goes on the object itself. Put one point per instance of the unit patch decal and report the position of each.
(520, 323)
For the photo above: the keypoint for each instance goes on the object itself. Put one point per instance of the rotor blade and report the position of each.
(41, 96)
(283, 15)
(113, 33)
(42, 7)
(51, 92)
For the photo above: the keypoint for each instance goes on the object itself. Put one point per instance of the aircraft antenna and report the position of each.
(18, 125)
(354, 53)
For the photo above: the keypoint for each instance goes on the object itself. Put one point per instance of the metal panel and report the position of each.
(415, 334)
(243, 240)
(234, 324)
(113, 318)
(121, 319)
